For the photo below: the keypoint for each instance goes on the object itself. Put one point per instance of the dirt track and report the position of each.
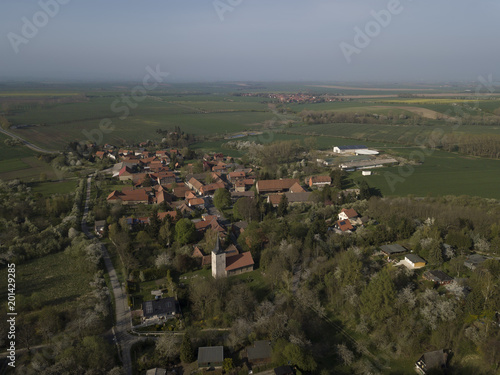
(424, 112)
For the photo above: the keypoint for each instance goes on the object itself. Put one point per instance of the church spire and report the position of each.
(217, 249)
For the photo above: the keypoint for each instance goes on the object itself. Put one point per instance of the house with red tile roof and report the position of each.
(219, 168)
(239, 186)
(163, 196)
(296, 188)
(125, 174)
(345, 225)
(180, 191)
(210, 222)
(163, 215)
(194, 184)
(128, 197)
(211, 188)
(198, 203)
(275, 186)
(348, 213)
(100, 154)
(234, 176)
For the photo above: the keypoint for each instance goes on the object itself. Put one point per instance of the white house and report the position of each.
(348, 213)
(415, 261)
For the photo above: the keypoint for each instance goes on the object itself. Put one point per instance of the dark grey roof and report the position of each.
(242, 194)
(414, 258)
(283, 370)
(217, 249)
(436, 359)
(476, 259)
(240, 224)
(100, 223)
(211, 354)
(259, 350)
(162, 306)
(299, 197)
(393, 249)
(437, 276)
(156, 371)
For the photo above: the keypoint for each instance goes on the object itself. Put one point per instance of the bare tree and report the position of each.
(346, 355)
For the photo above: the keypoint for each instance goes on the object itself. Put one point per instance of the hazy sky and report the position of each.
(280, 40)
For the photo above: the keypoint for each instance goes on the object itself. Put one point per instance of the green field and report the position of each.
(56, 187)
(55, 125)
(12, 165)
(405, 134)
(13, 153)
(54, 279)
(442, 173)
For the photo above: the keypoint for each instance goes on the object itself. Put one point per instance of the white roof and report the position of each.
(367, 152)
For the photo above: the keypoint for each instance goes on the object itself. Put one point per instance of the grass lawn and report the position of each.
(255, 280)
(144, 291)
(55, 280)
(188, 277)
(55, 187)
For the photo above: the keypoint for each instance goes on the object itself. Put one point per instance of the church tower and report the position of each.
(218, 261)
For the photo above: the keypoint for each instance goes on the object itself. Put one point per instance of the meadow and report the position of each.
(442, 173)
(54, 280)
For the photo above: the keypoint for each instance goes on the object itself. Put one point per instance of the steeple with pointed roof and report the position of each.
(218, 260)
(217, 249)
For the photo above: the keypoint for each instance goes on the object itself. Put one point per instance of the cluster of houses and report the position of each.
(348, 221)
(212, 358)
(260, 352)
(152, 182)
(300, 97)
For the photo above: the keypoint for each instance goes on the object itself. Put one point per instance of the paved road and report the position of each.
(28, 144)
(123, 322)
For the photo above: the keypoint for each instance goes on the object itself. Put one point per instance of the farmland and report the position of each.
(62, 281)
(442, 173)
(405, 134)
(56, 115)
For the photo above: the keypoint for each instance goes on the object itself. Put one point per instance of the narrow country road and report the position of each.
(123, 322)
(28, 144)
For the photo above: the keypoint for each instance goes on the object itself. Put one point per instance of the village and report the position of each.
(211, 202)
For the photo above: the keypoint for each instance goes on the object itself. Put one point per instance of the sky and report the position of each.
(250, 40)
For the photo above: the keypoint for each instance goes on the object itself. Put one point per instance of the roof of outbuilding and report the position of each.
(259, 350)
(393, 249)
(165, 305)
(210, 354)
(414, 258)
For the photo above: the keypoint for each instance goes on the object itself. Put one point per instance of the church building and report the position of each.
(230, 262)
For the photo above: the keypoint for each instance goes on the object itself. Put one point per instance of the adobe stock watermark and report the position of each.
(224, 6)
(372, 29)
(123, 105)
(430, 142)
(31, 27)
